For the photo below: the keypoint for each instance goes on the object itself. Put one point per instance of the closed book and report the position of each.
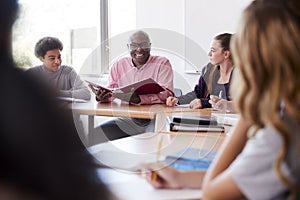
(195, 128)
(195, 120)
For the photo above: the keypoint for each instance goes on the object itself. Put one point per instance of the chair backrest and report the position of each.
(177, 92)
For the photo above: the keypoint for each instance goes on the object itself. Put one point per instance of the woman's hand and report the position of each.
(161, 176)
(195, 104)
(166, 177)
(221, 104)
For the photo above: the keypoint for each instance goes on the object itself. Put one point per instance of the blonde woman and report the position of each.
(266, 51)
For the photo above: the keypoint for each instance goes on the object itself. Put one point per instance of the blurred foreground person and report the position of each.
(41, 154)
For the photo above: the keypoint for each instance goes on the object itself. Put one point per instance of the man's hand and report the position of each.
(171, 101)
(101, 95)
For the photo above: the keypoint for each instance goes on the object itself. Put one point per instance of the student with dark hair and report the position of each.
(41, 154)
(62, 78)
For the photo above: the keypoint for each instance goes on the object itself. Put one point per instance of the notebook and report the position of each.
(194, 124)
(194, 120)
(195, 128)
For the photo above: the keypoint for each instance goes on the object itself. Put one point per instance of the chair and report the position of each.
(177, 92)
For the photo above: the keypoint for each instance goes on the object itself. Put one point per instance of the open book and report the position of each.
(97, 86)
(147, 86)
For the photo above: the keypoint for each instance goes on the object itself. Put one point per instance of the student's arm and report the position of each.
(78, 89)
(217, 182)
(200, 90)
(187, 98)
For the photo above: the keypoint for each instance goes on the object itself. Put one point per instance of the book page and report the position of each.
(97, 86)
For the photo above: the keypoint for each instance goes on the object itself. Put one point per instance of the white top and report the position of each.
(253, 170)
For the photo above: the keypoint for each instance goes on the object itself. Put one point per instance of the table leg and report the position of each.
(91, 124)
(160, 122)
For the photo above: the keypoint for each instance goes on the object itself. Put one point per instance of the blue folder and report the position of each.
(191, 159)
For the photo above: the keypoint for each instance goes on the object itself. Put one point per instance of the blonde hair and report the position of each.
(266, 51)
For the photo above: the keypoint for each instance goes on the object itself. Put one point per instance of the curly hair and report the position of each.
(45, 44)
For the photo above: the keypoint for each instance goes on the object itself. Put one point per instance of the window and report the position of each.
(80, 25)
(58, 18)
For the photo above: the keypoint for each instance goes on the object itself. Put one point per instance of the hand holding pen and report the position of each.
(221, 104)
(160, 176)
(166, 177)
(214, 100)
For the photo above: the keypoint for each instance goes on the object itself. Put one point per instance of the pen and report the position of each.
(154, 174)
(220, 94)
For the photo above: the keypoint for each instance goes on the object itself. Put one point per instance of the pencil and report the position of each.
(154, 174)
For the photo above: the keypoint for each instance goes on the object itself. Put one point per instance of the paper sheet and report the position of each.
(128, 186)
(227, 118)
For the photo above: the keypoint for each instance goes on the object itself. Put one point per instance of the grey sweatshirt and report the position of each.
(66, 81)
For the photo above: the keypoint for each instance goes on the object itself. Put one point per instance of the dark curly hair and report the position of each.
(45, 44)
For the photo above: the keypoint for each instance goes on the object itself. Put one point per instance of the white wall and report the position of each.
(189, 27)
